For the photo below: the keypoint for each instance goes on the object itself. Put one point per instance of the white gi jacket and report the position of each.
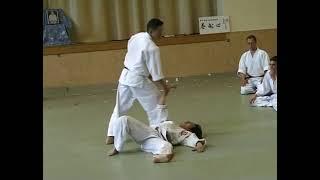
(268, 86)
(255, 65)
(141, 60)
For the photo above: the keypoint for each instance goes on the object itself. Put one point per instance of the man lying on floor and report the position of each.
(158, 139)
(266, 94)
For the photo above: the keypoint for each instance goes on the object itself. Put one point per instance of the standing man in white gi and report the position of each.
(141, 65)
(266, 94)
(252, 66)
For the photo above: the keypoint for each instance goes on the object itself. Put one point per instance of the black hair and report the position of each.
(197, 130)
(252, 37)
(153, 24)
(274, 58)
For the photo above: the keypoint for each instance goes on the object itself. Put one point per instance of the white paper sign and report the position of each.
(214, 24)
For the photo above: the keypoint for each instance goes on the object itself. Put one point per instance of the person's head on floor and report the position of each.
(155, 28)
(192, 127)
(273, 64)
(252, 42)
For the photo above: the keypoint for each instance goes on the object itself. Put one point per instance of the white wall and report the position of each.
(246, 15)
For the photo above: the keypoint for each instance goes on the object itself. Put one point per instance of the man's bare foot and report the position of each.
(162, 158)
(113, 152)
(200, 147)
(109, 140)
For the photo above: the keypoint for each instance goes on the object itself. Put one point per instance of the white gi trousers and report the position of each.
(148, 97)
(147, 137)
(263, 101)
(251, 86)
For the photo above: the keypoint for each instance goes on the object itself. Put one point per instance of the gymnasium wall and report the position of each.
(249, 15)
(256, 17)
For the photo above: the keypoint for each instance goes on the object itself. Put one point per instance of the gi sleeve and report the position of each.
(191, 141)
(242, 66)
(264, 88)
(266, 61)
(154, 64)
(162, 114)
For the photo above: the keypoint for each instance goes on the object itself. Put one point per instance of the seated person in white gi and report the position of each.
(266, 94)
(142, 68)
(252, 67)
(158, 139)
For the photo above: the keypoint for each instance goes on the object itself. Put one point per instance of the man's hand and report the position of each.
(253, 98)
(243, 81)
(163, 86)
(162, 99)
(171, 86)
(166, 89)
(200, 147)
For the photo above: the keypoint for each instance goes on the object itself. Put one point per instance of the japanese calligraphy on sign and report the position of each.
(214, 24)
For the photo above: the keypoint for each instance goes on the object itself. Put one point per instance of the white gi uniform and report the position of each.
(156, 140)
(141, 60)
(267, 92)
(177, 135)
(253, 67)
